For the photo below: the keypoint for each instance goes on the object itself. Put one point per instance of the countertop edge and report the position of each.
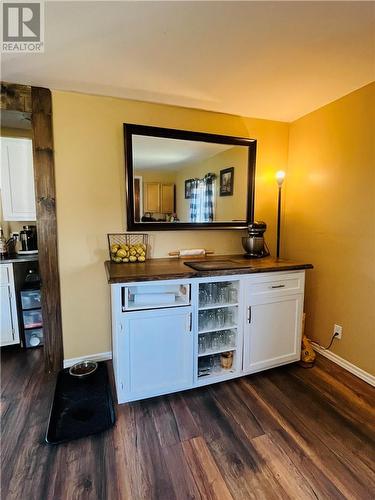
(191, 273)
(25, 258)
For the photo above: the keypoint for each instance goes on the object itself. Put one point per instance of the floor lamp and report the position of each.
(280, 176)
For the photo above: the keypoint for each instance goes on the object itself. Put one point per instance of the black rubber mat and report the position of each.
(81, 406)
(218, 265)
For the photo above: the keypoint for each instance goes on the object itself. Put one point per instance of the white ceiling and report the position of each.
(171, 154)
(274, 60)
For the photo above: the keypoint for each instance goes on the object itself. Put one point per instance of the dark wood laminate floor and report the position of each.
(285, 433)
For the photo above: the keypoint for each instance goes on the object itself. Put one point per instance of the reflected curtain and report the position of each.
(202, 199)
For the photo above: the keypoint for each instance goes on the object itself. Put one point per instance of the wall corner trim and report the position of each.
(100, 356)
(358, 372)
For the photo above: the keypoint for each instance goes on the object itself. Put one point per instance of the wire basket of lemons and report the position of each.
(127, 248)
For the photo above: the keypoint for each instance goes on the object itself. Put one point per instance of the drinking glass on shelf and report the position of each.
(208, 341)
(225, 338)
(222, 293)
(215, 341)
(217, 364)
(202, 295)
(212, 363)
(210, 290)
(201, 344)
(229, 316)
(231, 338)
(211, 320)
(232, 294)
(220, 318)
(202, 320)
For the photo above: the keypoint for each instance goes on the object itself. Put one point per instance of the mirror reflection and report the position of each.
(188, 181)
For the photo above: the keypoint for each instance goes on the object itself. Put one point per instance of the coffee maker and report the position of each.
(254, 244)
(28, 239)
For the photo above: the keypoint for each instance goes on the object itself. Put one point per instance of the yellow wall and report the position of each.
(227, 208)
(330, 221)
(91, 198)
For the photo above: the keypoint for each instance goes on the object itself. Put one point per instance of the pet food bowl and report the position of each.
(83, 368)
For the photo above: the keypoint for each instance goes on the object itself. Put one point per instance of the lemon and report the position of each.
(141, 258)
(121, 253)
(132, 258)
(125, 259)
(117, 259)
(114, 248)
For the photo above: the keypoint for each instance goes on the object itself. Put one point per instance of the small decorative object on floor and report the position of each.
(81, 405)
(226, 360)
(308, 355)
(191, 252)
(127, 247)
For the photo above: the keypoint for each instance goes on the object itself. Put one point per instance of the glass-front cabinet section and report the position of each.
(218, 328)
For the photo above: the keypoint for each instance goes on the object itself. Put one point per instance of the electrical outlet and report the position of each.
(337, 331)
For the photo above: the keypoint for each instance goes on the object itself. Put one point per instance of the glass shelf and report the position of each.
(217, 351)
(217, 306)
(227, 327)
(223, 371)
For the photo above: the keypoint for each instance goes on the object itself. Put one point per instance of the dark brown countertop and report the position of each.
(164, 269)
(19, 258)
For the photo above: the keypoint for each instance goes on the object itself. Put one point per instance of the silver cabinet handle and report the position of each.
(277, 286)
(190, 323)
(249, 315)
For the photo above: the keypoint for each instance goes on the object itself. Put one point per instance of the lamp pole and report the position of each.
(280, 176)
(278, 223)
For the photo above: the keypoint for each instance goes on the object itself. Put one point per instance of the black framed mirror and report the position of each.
(178, 179)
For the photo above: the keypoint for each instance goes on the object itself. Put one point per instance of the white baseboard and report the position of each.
(100, 356)
(358, 372)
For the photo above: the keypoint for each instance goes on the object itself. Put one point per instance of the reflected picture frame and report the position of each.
(188, 189)
(226, 181)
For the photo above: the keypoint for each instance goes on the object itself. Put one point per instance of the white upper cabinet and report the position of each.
(17, 179)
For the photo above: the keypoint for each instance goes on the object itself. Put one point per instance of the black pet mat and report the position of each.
(216, 265)
(81, 406)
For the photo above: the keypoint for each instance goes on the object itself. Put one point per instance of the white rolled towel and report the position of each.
(192, 251)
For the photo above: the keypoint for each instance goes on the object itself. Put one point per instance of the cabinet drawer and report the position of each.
(155, 296)
(32, 318)
(34, 337)
(30, 299)
(278, 285)
(4, 275)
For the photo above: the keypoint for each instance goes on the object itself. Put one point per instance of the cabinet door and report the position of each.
(6, 320)
(167, 198)
(152, 197)
(159, 350)
(17, 178)
(273, 331)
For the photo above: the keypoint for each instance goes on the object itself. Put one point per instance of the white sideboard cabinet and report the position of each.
(174, 335)
(17, 179)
